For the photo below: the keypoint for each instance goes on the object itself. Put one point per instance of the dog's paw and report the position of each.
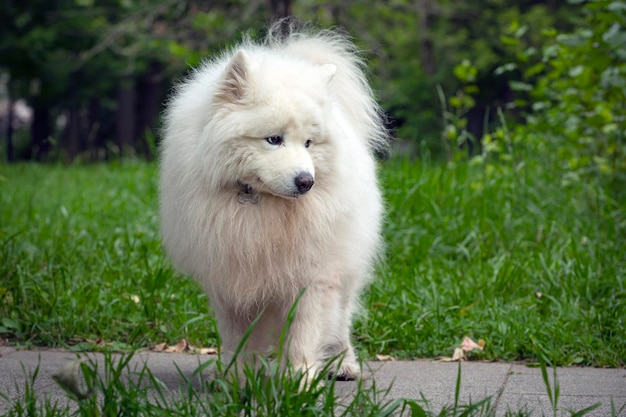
(307, 375)
(346, 372)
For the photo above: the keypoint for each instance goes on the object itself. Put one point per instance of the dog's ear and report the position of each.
(232, 88)
(328, 72)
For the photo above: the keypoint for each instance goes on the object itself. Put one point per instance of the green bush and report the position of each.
(577, 91)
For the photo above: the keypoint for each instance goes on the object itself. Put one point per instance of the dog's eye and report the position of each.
(308, 143)
(274, 140)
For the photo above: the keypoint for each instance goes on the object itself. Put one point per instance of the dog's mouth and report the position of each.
(250, 195)
(249, 192)
(293, 195)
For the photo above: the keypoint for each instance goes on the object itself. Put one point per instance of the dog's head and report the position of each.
(270, 120)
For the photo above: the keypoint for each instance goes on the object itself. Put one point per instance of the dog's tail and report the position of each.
(350, 82)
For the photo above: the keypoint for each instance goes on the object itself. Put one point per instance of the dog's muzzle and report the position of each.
(303, 181)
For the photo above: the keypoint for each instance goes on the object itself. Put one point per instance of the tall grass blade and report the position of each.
(457, 388)
(586, 410)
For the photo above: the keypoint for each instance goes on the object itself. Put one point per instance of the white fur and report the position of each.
(254, 257)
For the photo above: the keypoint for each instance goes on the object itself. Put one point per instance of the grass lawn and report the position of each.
(514, 254)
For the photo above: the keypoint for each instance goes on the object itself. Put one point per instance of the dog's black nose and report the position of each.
(304, 181)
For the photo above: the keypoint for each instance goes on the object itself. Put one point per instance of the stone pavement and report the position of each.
(512, 386)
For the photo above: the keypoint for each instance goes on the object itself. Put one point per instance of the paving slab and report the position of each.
(579, 388)
(509, 386)
(437, 381)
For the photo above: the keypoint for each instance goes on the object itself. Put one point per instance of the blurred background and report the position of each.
(87, 79)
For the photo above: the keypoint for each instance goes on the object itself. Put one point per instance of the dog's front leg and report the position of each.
(306, 333)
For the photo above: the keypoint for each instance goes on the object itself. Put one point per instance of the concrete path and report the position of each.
(512, 386)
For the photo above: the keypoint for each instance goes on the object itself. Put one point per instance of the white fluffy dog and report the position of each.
(268, 187)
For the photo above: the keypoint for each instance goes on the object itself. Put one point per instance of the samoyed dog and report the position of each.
(269, 195)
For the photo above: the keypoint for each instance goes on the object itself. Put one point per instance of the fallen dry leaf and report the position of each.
(201, 350)
(458, 355)
(160, 347)
(468, 345)
(206, 351)
(181, 346)
(385, 358)
(99, 341)
(133, 297)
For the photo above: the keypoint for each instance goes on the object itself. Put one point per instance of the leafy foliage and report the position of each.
(576, 88)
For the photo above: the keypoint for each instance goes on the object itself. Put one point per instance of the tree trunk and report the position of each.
(74, 137)
(73, 134)
(94, 129)
(9, 131)
(126, 117)
(151, 93)
(40, 130)
(426, 54)
(280, 9)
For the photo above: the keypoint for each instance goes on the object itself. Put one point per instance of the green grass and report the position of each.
(511, 254)
(80, 260)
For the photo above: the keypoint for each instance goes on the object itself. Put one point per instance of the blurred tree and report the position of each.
(280, 8)
(96, 72)
(416, 44)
